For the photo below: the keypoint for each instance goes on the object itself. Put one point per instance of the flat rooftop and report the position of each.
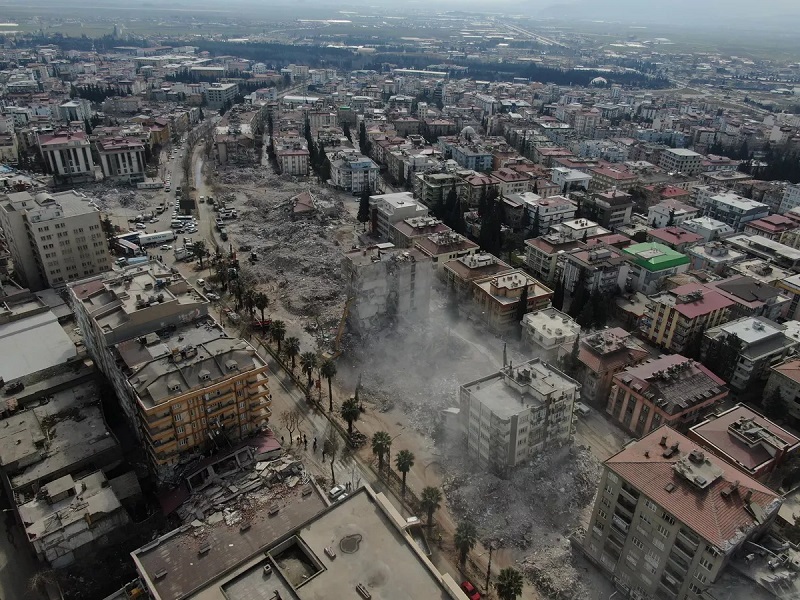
(371, 549)
(505, 394)
(68, 429)
(38, 342)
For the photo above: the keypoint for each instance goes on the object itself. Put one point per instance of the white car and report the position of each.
(212, 296)
(166, 247)
(201, 282)
(154, 220)
(141, 226)
(336, 491)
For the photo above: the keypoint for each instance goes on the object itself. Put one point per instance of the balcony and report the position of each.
(155, 432)
(154, 419)
(686, 543)
(164, 442)
(620, 524)
(678, 565)
(214, 410)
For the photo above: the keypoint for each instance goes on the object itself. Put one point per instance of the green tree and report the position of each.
(773, 404)
(580, 295)
(308, 362)
(108, 230)
(381, 446)
(261, 302)
(404, 461)
(465, 538)
(363, 140)
(292, 349)
(87, 126)
(571, 361)
(509, 584)
(328, 371)
(363, 208)
(277, 332)
(536, 225)
(199, 251)
(450, 203)
(346, 130)
(350, 411)
(671, 220)
(430, 501)
(457, 222)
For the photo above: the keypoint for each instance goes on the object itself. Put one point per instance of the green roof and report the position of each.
(654, 256)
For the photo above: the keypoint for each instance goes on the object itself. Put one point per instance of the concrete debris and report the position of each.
(301, 259)
(214, 518)
(532, 512)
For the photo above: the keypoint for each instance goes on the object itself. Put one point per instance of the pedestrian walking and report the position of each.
(282, 442)
(315, 445)
(305, 439)
(305, 444)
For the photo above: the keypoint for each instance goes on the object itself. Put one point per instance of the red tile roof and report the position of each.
(710, 301)
(789, 369)
(675, 235)
(707, 512)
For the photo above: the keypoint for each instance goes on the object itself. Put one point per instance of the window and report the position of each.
(637, 542)
(179, 417)
(700, 577)
(695, 589)
(602, 514)
(183, 442)
(706, 564)
(667, 518)
(604, 501)
(650, 504)
(663, 530)
(609, 488)
(645, 518)
(613, 477)
(179, 429)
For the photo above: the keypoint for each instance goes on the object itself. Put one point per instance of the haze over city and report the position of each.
(307, 299)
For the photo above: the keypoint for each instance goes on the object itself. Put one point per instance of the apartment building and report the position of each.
(681, 160)
(734, 210)
(185, 387)
(791, 198)
(122, 159)
(432, 188)
(769, 250)
(546, 330)
(68, 156)
(745, 439)
(650, 264)
(445, 246)
(461, 272)
(221, 94)
(751, 297)
(385, 284)
(715, 257)
(552, 210)
(512, 416)
(598, 266)
(772, 227)
(570, 179)
(671, 318)
(670, 212)
(54, 238)
(710, 229)
(676, 238)
(388, 210)
(511, 181)
(404, 233)
(354, 173)
(293, 160)
(670, 390)
(790, 287)
(579, 229)
(542, 255)
(601, 355)
(762, 344)
(668, 518)
(497, 297)
(785, 377)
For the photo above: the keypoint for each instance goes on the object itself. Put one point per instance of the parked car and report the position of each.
(166, 247)
(335, 492)
(15, 387)
(141, 226)
(470, 591)
(212, 296)
(201, 282)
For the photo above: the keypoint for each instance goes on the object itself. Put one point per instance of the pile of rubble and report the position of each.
(533, 511)
(110, 197)
(241, 494)
(302, 256)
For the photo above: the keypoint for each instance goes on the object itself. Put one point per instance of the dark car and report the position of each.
(15, 387)
(470, 591)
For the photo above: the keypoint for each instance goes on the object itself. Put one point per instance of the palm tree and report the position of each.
(328, 371)
(381, 445)
(404, 461)
(199, 251)
(261, 302)
(278, 332)
(430, 501)
(465, 539)
(509, 584)
(308, 362)
(292, 348)
(350, 413)
(249, 298)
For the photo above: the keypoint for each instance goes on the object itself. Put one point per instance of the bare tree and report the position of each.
(291, 419)
(331, 447)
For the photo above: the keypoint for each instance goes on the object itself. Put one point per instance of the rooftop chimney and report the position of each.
(663, 441)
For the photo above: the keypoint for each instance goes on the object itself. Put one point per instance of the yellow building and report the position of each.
(671, 318)
(497, 297)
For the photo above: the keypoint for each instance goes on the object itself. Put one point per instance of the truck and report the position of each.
(181, 253)
(127, 262)
(151, 239)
